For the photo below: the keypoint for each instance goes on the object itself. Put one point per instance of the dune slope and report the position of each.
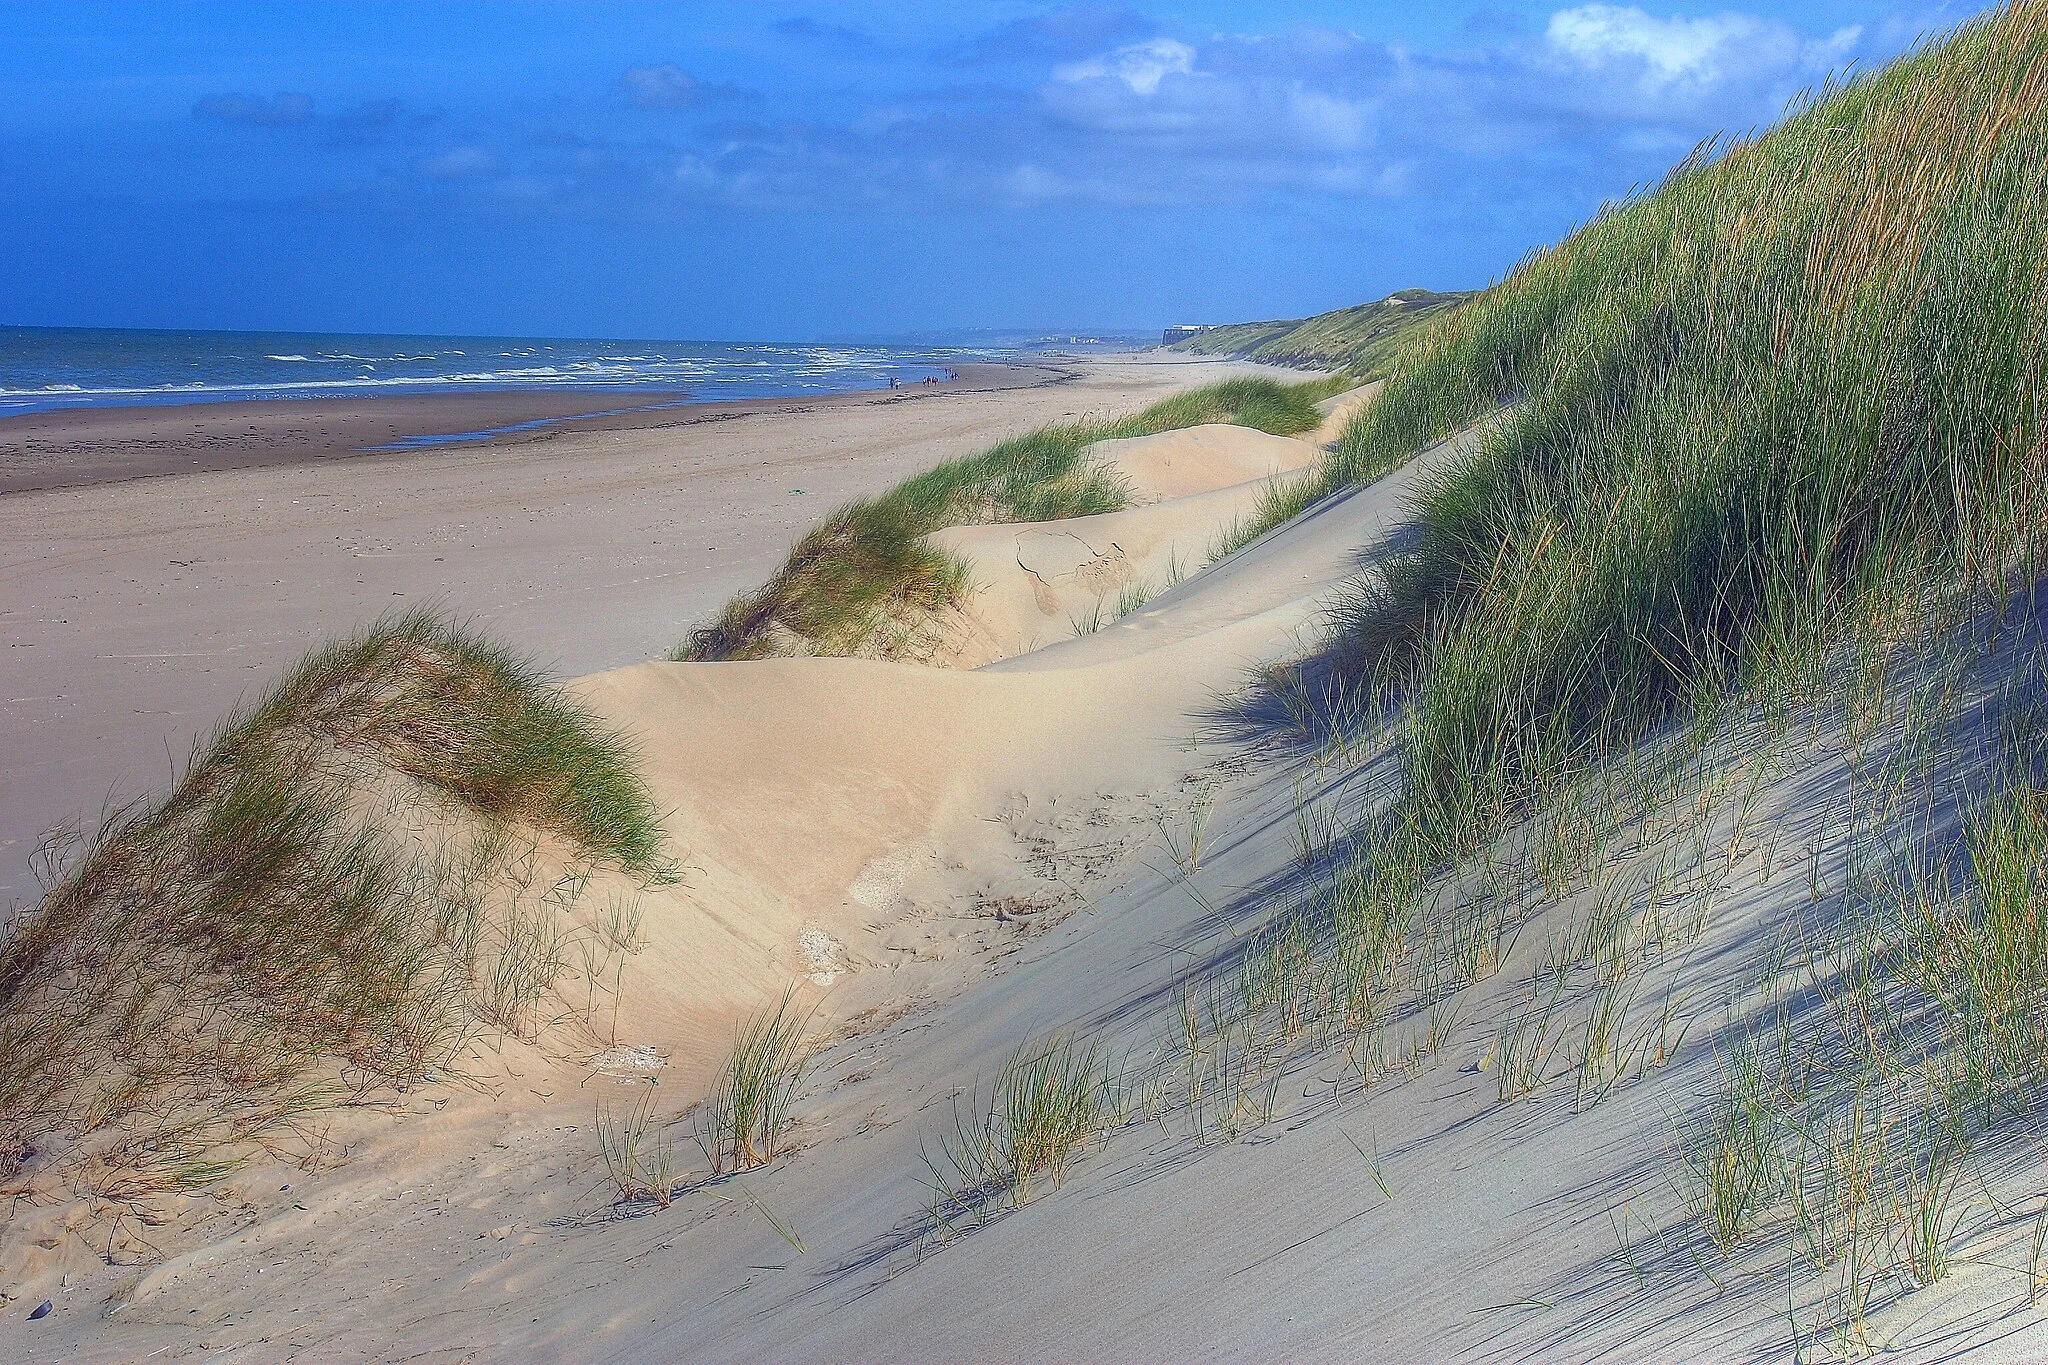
(980, 849)
(888, 833)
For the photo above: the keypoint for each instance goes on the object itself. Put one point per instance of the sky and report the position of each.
(691, 169)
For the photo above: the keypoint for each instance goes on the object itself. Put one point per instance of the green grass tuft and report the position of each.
(442, 704)
(1051, 1099)
(749, 1109)
(866, 580)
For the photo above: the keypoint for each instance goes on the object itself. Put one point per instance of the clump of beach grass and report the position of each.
(740, 1126)
(865, 579)
(1748, 436)
(1765, 431)
(327, 899)
(1879, 1080)
(1279, 501)
(743, 1122)
(634, 1149)
(1051, 1098)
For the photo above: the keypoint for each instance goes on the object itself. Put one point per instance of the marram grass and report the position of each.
(866, 574)
(1774, 422)
(284, 908)
(1799, 382)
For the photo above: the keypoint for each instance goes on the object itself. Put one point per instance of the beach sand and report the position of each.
(73, 447)
(136, 612)
(950, 864)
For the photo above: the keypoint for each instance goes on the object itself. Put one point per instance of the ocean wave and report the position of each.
(744, 373)
(46, 375)
(274, 386)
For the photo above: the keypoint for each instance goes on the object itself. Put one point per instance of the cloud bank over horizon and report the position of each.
(1127, 164)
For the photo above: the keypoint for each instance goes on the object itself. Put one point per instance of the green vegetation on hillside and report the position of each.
(328, 884)
(1764, 472)
(865, 579)
(1364, 341)
(1796, 389)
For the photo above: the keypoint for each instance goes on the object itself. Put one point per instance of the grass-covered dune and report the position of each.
(864, 580)
(1794, 391)
(1365, 340)
(1759, 494)
(324, 889)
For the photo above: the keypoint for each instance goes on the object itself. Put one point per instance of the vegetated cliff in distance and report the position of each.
(1360, 339)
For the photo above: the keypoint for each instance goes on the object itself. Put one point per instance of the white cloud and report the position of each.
(1670, 49)
(1328, 121)
(1697, 53)
(1141, 66)
(661, 87)
(463, 163)
(1835, 48)
(1609, 93)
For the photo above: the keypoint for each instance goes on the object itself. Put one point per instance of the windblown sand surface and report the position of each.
(135, 613)
(1038, 583)
(951, 862)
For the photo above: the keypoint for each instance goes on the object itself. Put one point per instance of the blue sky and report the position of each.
(687, 168)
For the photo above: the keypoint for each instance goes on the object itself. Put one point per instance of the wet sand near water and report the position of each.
(75, 447)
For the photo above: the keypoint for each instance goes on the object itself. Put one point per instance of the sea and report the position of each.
(44, 368)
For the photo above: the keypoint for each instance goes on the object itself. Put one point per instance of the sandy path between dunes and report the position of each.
(134, 615)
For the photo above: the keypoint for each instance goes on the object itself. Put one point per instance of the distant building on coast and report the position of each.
(1182, 333)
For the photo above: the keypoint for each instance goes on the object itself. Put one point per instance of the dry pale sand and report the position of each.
(134, 614)
(1037, 584)
(953, 862)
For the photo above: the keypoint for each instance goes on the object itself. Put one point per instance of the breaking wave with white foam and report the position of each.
(43, 368)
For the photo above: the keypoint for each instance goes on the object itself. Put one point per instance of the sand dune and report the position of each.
(1036, 583)
(1641, 957)
(1618, 938)
(1176, 464)
(814, 800)
(589, 549)
(876, 830)
(879, 831)
(1339, 409)
(952, 861)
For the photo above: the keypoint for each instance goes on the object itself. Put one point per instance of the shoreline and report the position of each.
(86, 447)
(136, 611)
